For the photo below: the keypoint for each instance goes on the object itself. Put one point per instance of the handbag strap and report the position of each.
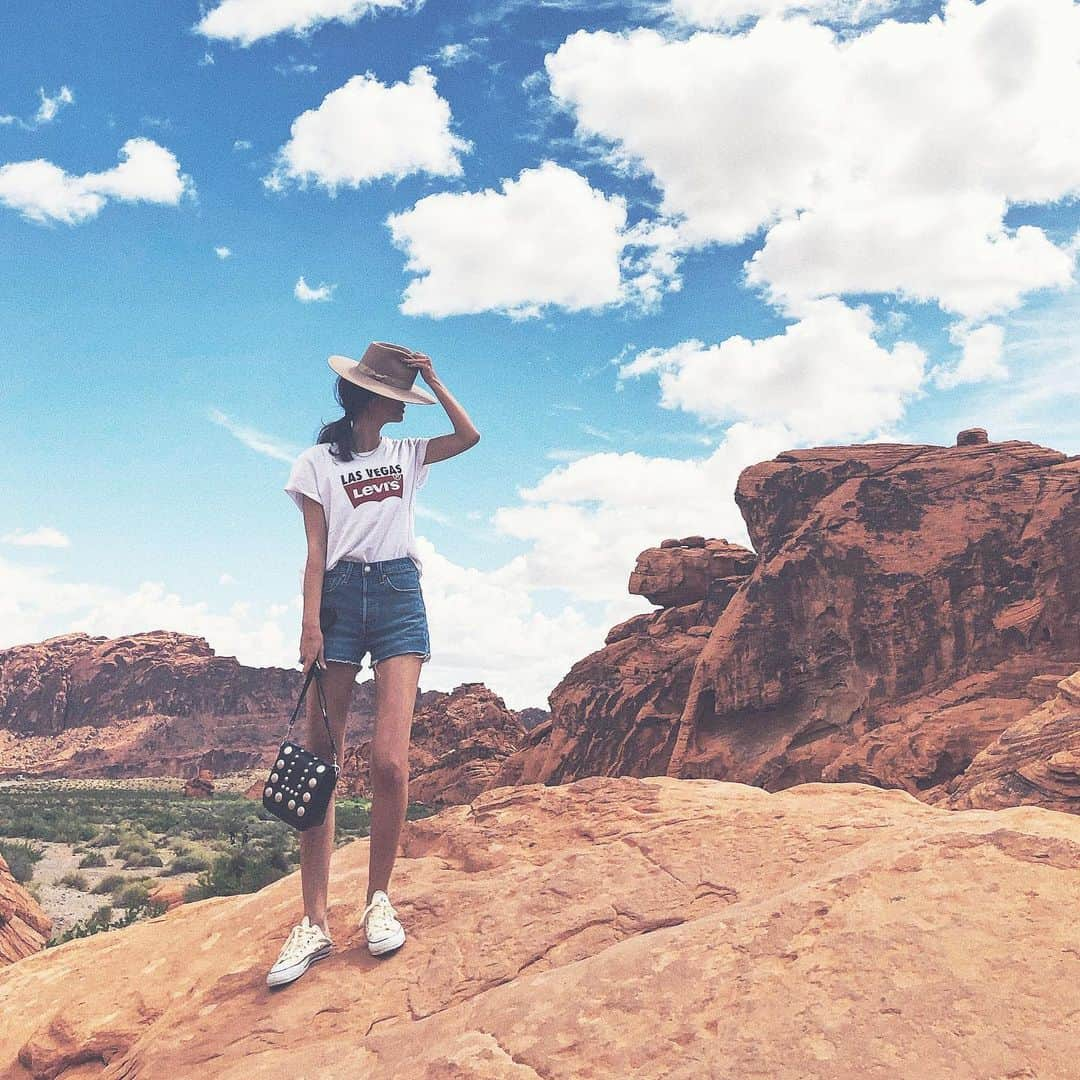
(315, 673)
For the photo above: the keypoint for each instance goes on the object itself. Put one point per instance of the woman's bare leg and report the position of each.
(317, 844)
(396, 679)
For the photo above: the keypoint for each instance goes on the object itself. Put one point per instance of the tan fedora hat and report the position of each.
(383, 370)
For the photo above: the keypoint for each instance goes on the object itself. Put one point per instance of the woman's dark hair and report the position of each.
(354, 400)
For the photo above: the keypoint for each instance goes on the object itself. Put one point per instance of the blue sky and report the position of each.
(645, 244)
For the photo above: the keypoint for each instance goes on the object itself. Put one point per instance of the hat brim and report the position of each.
(346, 368)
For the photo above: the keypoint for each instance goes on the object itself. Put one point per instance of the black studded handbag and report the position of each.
(300, 783)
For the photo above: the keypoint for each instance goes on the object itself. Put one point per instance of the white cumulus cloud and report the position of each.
(307, 295)
(547, 237)
(43, 192)
(981, 358)
(587, 521)
(825, 378)
(49, 106)
(880, 163)
(366, 130)
(248, 21)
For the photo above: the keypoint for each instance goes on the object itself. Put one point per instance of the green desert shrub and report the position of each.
(109, 883)
(149, 858)
(134, 895)
(133, 849)
(20, 855)
(242, 871)
(93, 859)
(102, 920)
(74, 880)
(189, 863)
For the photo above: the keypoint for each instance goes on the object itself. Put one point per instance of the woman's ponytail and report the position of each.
(339, 433)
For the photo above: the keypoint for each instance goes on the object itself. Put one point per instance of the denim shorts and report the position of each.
(376, 606)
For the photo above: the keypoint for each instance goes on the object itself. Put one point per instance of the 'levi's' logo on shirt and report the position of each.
(371, 488)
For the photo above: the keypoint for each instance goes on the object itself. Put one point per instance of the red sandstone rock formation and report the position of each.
(608, 928)
(163, 704)
(457, 742)
(167, 892)
(885, 571)
(200, 786)
(907, 605)
(1034, 760)
(926, 742)
(156, 703)
(616, 711)
(24, 927)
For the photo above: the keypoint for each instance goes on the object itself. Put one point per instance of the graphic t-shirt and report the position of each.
(368, 502)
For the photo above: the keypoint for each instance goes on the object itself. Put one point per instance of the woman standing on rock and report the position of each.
(356, 489)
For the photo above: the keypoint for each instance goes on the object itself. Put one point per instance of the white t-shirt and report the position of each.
(368, 502)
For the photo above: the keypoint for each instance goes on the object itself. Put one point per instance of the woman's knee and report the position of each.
(387, 771)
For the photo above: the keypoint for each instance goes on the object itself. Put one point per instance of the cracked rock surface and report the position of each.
(610, 927)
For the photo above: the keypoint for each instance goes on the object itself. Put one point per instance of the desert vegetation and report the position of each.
(92, 854)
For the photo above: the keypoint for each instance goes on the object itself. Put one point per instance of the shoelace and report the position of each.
(298, 942)
(382, 913)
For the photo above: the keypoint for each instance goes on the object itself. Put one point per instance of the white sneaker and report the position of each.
(379, 920)
(306, 943)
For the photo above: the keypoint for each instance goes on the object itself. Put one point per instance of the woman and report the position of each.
(356, 488)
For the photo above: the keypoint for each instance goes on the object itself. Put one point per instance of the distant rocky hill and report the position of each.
(162, 703)
(910, 618)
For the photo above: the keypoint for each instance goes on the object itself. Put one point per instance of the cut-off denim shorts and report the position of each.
(376, 606)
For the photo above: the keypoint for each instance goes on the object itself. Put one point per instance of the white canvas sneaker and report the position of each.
(306, 943)
(379, 920)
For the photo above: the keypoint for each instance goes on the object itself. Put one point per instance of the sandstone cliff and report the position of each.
(905, 606)
(24, 927)
(610, 927)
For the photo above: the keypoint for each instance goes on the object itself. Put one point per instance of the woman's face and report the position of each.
(387, 410)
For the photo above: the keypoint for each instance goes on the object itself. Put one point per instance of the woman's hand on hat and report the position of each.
(422, 362)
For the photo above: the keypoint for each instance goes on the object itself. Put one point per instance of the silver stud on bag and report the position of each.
(307, 796)
(270, 791)
(320, 768)
(274, 777)
(300, 811)
(277, 797)
(292, 804)
(288, 749)
(312, 782)
(280, 764)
